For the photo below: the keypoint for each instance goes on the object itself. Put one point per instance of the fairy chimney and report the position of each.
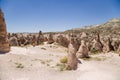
(108, 46)
(82, 51)
(83, 35)
(40, 38)
(4, 42)
(72, 59)
(50, 38)
(97, 44)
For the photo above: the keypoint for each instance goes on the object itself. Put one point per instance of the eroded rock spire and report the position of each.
(4, 42)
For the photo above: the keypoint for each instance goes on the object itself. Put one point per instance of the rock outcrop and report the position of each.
(50, 38)
(72, 59)
(4, 42)
(97, 45)
(40, 38)
(83, 50)
(108, 45)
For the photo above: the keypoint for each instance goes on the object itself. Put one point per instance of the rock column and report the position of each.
(4, 42)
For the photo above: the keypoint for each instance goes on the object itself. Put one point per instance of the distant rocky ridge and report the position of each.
(115, 22)
(111, 28)
(111, 25)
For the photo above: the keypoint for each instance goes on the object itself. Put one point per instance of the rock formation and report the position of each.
(4, 42)
(62, 41)
(40, 38)
(115, 45)
(97, 45)
(22, 40)
(83, 35)
(72, 59)
(83, 51)
(34, 41)
(118, 50)
(50, 38)
(13, 41)
(108, 45)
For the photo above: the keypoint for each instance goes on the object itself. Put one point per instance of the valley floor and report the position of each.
(40, 63)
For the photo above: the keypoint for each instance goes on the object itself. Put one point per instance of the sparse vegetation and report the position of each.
(61, 66)
(49, 60)
(94, 58)
(19, 65)
(94, 51)
(64, 59)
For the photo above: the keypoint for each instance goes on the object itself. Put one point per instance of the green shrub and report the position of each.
(93, 51)
(64, 59)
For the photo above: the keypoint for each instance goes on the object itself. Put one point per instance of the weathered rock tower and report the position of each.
(4, 42)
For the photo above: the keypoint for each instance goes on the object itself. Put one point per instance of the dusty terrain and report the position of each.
(40, 63)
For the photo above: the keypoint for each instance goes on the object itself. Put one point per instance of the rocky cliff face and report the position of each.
(4, 43)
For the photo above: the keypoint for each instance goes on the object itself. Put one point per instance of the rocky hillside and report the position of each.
(111, 28)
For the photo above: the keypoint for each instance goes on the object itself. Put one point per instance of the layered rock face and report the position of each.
(4, 42)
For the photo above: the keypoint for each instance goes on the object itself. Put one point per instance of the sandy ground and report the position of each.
(40, 63)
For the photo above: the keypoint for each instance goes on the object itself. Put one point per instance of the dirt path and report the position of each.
(39, 63)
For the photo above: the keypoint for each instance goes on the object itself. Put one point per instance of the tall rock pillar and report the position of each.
(4, 42)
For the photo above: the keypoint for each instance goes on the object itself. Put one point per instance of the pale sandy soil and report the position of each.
(39, 63)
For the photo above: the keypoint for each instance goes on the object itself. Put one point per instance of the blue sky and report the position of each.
(57, 15)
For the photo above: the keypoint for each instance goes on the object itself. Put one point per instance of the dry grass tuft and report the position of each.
(64, 59)
(19, 65)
